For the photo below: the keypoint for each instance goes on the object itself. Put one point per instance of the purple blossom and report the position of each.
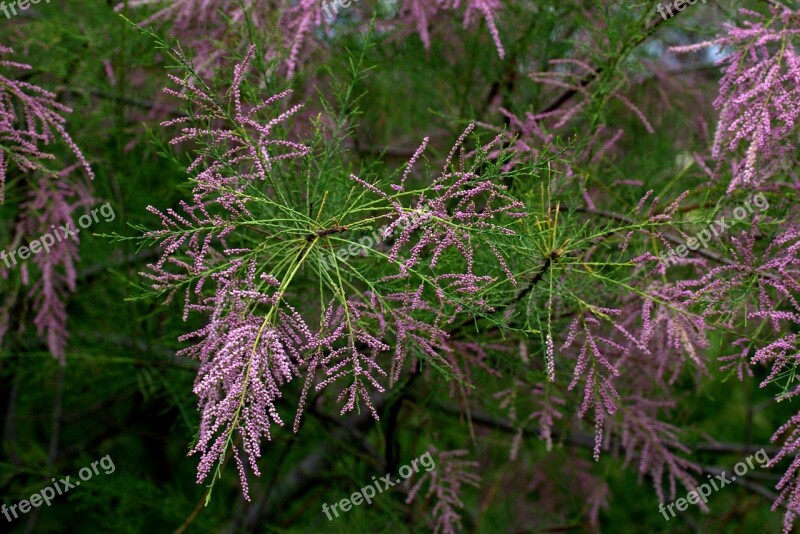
(246, 358)
(655, 446)
(30, 117)
(445, 485)
(789, 484)
(421, 13)
(758, 98)
(461, 203)
(53, 204)
(344, 333)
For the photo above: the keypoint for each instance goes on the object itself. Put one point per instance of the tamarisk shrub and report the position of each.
(755, 147)
(499, 258)
(259, 238)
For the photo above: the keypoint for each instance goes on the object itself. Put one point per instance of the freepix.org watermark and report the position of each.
(336, 5)
(10, 10)
(715, 483)
(717, 228)
(680, 5)
(59, 487)
(366, 493)
(367, 242)
(45, 242)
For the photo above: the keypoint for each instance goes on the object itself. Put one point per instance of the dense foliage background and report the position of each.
(533, 329)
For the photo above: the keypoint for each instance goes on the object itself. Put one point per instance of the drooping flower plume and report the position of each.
(32, 121)
(758, 97)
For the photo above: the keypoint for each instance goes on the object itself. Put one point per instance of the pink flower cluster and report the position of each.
(256, 342)
(31, 118)
(200, 23)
